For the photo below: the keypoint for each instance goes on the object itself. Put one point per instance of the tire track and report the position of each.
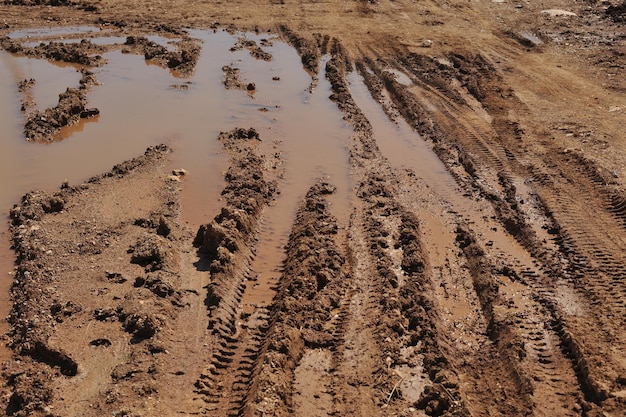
(410, 366)
(302, 318)
(226, 246)
(513, 299)
(497, 100)
(537, 373)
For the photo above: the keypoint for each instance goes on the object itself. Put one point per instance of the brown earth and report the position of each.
(505, 297)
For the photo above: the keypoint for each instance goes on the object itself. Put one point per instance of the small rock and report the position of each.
(88, 113)
(427, 43)
(180, 172)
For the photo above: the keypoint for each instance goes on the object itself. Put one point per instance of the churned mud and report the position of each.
(363, 208)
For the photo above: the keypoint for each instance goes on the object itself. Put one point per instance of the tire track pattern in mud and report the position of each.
(543, 371)
(361, 323)
(579, 252)
(226, 246)
(390, 288)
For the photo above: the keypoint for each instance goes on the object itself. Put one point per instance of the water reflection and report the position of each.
(142, 105)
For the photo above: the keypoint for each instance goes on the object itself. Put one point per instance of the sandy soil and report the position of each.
(500, 295)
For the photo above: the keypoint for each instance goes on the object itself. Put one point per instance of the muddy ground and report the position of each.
(503, 294)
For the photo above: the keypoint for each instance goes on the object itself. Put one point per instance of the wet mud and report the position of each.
(425, 250)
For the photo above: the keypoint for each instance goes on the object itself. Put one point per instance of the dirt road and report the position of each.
(474, 266)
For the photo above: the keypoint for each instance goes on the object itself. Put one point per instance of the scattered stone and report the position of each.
(100, 342)
(558, 12)
(89, 113)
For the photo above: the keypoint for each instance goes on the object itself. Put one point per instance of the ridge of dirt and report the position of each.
(42, 126)
(83, 53)
(307, 49)
(301, 319)
(226, 247)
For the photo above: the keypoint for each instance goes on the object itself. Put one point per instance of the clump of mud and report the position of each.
(42, 126)
(617, 13)
(233, 82)
(255, 50)
(183, 61)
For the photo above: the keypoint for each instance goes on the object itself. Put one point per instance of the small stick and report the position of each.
(449, 394)
(394, 389)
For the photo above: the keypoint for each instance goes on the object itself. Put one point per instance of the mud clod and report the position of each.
(149, 251)
(43, 126)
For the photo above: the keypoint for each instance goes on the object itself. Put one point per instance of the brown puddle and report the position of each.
(142, 105)
(314, 140)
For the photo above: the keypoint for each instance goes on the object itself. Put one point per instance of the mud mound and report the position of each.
(232, 80)
(307, 49)
(84, 52)
(183, 61)
(617, 13)
(43, 126)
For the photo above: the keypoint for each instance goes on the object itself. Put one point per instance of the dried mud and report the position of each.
(501, 294)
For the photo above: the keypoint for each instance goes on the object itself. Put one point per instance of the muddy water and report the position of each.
(142, 105)
(311, 133)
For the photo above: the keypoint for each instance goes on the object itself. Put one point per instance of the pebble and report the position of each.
(179, 172)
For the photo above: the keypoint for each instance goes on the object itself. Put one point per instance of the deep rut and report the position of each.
(531, 348)
(581, 253)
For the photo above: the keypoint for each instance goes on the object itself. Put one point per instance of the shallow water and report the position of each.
(142, 105)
